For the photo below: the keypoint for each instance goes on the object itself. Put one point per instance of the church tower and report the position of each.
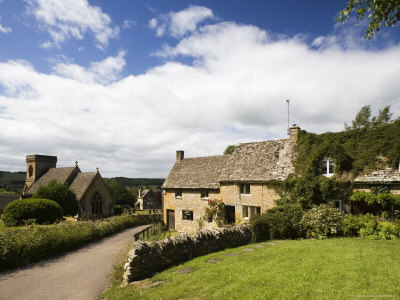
(36, 166)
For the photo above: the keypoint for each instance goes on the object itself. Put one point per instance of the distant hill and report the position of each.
(12, 181)
(133, 182)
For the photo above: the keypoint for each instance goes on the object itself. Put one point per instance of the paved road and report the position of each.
(81, 274)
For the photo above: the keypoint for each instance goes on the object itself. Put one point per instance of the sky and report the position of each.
(121, 85)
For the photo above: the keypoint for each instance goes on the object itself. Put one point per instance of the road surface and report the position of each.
(80, 274)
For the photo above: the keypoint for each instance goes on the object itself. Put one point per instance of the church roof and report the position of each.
(197, 172)
(81, 183)
(61, 175)
(385, 175)
(250, 162)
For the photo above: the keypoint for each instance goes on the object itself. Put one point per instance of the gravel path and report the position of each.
(80, 274)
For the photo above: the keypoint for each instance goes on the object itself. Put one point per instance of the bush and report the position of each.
(284, 221)
(117, 210)
(322, 221)
(259, 229)
(61, 194)
(43, 210)
(351, 225)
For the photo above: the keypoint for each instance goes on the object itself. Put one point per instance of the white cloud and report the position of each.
(5, 29)
(128, 24)
(234, 92)
(72, 19)
(178, 24)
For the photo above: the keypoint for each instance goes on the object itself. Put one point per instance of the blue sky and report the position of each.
(123, 84)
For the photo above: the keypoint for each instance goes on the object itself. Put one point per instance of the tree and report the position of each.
(363, 118)
(120, 193)
(378, 12)
(229, 149)
(61, 194)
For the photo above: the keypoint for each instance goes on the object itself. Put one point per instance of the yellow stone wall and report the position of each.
(260, 196)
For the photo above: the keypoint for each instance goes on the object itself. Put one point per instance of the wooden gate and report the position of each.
(171, 219)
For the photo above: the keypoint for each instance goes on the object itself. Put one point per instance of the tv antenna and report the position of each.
(288, 127)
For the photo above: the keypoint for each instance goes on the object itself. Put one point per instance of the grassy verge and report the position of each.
(340, 268)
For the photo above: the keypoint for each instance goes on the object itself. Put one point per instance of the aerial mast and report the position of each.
(288, 126)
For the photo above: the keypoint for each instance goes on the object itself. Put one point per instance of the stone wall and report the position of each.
(147, 258)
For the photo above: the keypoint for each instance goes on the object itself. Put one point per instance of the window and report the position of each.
(338, 204)
(204, 194)
(249, 211)
(97, 205)
(187, 215)
(30, 171)
(245, 188)
(178, 193)
(327, 167)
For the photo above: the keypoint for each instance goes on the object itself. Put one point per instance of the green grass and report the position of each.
(301, 269)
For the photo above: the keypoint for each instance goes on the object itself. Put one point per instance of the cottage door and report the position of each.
(171, 219)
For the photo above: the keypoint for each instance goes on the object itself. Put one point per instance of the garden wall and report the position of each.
(147, 258)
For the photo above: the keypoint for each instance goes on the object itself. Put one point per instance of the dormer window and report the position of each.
(178, 193)
(204, 194)
(327, 167)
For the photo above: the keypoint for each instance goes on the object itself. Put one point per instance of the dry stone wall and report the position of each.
(147, 258)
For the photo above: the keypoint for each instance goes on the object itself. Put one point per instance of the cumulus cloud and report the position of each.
(5, 29)
(235, 91)
(72, 19)
(178, 24)
(103, 72)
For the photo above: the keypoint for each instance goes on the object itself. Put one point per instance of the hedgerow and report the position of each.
(25, 245)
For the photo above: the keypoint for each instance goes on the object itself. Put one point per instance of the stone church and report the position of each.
(89, 187)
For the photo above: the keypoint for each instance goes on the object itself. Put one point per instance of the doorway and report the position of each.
(171, 219)
(230, 214)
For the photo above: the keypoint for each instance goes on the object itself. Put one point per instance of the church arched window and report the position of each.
(97, 205)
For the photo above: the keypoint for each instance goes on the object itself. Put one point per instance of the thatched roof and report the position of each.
(197, 172)
(81, 183)
(385, 175)
(260, 161)
(250, 162)
(61, 175)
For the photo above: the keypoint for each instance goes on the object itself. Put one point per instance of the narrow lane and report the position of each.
(80, 274)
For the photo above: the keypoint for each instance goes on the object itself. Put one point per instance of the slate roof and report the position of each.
(61, 175)
(385, 175)
(144, 193)
(197, 172)
(250, 162)
(81, 183)
(260, 161)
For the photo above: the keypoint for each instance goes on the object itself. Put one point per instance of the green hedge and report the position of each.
(25, 245)
(42, 210)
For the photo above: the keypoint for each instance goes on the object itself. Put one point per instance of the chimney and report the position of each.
(294, 132)
(179, 155)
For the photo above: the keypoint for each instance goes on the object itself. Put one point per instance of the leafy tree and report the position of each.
(120, 193)
(378, 12)
(61, 194)
(363, 118)
(229, 149)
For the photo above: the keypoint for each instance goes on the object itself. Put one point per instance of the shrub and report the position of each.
(259, 228)
(351, 225)
(322, 221)
(43, 210)
(61, 194)
(117, 210)
(284, 221)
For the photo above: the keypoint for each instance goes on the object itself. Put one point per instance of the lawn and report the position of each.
(341, 268)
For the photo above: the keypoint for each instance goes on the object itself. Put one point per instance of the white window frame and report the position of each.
(178, 193)
(204, 194)
(329, 164)
(186, 213)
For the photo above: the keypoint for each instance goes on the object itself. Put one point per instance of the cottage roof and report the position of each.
(61, 175)
(260, 161)
(145, 192)
(385, 175)
(81, 183)
(197, 172)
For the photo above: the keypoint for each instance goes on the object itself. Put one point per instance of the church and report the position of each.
(89, 187)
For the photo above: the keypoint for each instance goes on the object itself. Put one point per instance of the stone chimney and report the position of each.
(140, 192)
(179, 155)
(294, 132)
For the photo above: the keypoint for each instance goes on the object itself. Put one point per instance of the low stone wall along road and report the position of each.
(79, 274)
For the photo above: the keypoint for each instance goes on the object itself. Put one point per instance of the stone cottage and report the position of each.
(89, 187)
(237, 179)
(146, 200)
